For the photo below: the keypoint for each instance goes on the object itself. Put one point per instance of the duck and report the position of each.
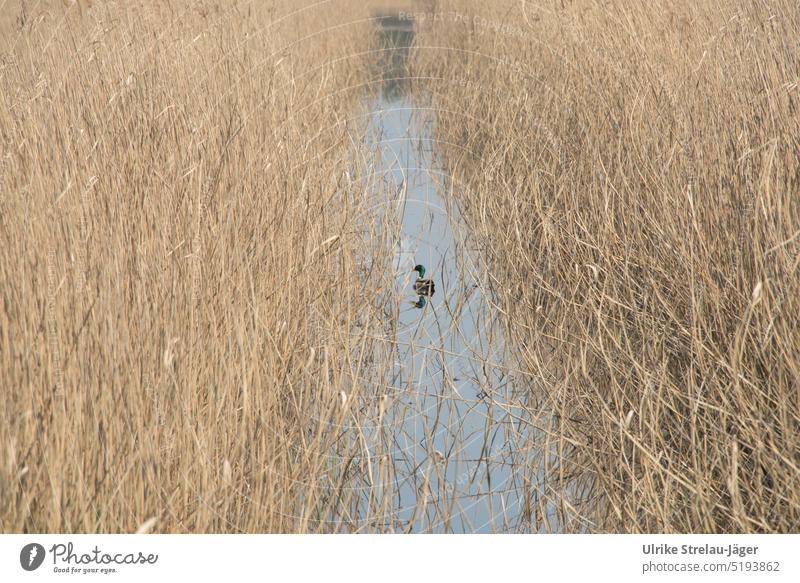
(423, 287)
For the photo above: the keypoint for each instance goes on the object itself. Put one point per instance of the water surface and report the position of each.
(458, 439)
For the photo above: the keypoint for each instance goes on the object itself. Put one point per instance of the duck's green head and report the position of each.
(420, 269)
(420, 303)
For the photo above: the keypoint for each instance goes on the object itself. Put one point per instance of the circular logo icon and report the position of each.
(31, 556)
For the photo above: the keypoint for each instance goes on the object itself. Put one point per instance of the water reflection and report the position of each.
(454, 430)
(396, 37)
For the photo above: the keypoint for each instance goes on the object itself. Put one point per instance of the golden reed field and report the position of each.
(190, 305)
(633, 169)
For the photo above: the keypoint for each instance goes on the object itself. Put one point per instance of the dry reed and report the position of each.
(632, 171)
(178, 236)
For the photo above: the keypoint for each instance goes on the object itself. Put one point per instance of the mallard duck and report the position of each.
(423, 287)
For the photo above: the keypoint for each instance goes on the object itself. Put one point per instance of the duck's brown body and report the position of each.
(424, 287)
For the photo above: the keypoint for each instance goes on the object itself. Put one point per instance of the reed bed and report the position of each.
(200, 329)
(182, 342)
(631, 171)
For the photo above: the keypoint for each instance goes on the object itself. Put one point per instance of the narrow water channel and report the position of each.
(460, 444)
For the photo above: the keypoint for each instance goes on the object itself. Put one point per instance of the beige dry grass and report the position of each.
(195, 314)
(632, 169)
(177, 242)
